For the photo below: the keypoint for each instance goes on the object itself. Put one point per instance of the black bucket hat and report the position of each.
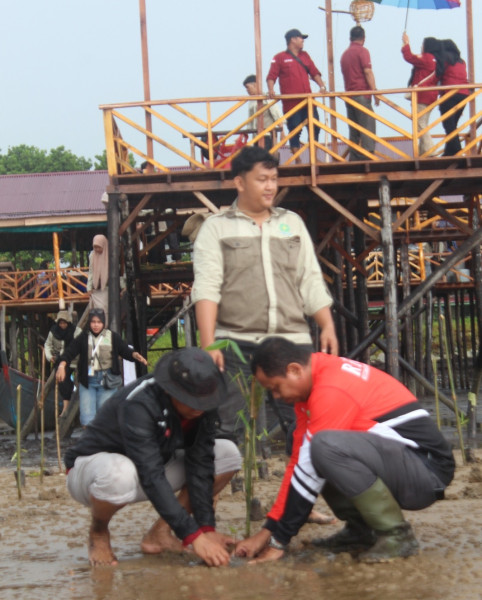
(191, 377)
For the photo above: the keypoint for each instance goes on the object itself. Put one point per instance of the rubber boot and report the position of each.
(382, 513)
(355, 536)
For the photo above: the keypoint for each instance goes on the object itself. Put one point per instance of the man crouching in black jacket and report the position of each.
(149, 440)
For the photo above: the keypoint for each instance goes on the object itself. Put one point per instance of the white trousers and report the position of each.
(425, 142)
(113, 477)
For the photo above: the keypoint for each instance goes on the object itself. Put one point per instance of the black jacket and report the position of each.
(79, 346)
(140, 422)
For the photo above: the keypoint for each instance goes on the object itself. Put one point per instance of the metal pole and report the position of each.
(145, 75)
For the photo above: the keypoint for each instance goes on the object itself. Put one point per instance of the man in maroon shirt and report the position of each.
(294, 67)
(358, 75)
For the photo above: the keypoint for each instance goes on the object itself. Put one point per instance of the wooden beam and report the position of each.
(428, 193)
(205, 200)
(445, 214)
(334, 229)
(407, 179)
(373, 233)
(133, 214)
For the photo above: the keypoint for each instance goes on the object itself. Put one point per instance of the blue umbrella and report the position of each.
(428, 4)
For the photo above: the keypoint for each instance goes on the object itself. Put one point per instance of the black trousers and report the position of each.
(351, 461)
(231, 425)
(450, 123)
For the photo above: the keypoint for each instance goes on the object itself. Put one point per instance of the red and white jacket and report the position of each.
(351, 396)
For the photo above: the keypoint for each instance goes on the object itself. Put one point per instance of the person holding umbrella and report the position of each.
(423, 71)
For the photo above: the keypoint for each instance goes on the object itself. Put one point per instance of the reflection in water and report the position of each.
(302, 575)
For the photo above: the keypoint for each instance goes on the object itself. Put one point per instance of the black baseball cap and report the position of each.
(294, 33)
(190, 376)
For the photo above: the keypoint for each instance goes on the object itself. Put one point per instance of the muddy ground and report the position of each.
(43, 552)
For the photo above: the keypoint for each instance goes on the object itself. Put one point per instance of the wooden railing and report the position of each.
(40, 287)
(421, 264)
(185, 131)
(18, 287)
(423, 258)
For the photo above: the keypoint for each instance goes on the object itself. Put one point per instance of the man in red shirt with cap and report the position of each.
(294, 68)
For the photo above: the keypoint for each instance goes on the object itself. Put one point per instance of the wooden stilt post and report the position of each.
(331, 69)
(136, 334)
(32, 347)
(419, 355)
(352, 333)
(477, 376)
(73, 245)
(113, 224)
(3, 339)
(259, 72)
(145, 77)
(407, 335)
(429, 335)
(13, 339)
(187, 322)
(338, 293)
(389, 281)
(361, 296)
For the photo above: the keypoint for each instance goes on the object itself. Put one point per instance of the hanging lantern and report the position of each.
(362, 10)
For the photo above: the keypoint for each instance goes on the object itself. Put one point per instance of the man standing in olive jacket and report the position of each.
(256, 274)
(149, 440)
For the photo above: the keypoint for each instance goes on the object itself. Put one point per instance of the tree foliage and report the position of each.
(24, 260)
(30, 159)
(100, 163)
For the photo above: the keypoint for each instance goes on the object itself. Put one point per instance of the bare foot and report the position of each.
(159, 538)
(100, 551)
(321, 519)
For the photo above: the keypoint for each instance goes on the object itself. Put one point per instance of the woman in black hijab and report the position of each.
(59, 337)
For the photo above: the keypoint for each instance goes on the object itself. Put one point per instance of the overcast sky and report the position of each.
(61, 59)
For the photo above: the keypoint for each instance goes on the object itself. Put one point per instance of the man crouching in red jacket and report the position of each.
(363, 441)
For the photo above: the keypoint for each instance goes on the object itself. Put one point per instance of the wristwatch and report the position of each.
(273, 543)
